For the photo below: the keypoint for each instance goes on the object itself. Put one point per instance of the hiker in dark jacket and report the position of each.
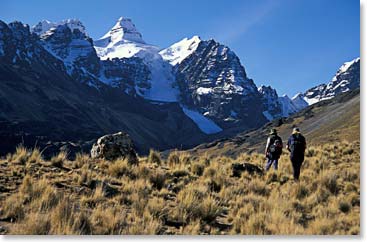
(297, 146)
(273, 150)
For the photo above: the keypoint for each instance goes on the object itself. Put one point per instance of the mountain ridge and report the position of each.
(202, 83)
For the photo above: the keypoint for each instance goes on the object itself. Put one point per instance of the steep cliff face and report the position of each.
(271, 102)
(278, 107)
(212, 81)
(74, 48)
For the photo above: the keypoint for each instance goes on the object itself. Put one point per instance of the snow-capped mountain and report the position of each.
(347, 78)
(71, 45)
(213, 82)
(75, 48)
(46, 25)
(124, 41)
(219, 90)
(205, 77)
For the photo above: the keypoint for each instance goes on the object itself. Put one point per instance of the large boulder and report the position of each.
(113, 146)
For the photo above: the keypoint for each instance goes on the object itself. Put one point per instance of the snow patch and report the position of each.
(205, 124)
(268, 116)
(346, 65)
(204, 90)
(177, 52)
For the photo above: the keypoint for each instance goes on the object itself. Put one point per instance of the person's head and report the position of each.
(273, 131)
(295, 130)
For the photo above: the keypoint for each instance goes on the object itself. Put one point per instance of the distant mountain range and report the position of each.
(58, 84)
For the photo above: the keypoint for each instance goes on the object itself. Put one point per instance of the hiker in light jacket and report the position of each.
(273, 150)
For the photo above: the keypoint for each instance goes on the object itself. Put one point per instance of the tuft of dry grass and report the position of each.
(119, 168)
(58, 161)
(154, 157)
(21, 155)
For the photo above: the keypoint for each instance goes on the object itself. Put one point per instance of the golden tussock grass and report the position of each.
(182, 194)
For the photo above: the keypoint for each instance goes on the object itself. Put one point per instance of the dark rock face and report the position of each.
(21, 48)
(270, 100)
(126, 74)
(346, 79)
(213, 81)
(76, 50)
(113, 146)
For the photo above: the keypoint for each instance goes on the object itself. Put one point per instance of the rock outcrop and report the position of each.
(113, 146)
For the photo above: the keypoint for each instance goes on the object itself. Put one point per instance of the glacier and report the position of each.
(205, 124)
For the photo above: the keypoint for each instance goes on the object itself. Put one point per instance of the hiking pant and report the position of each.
(271, 162)
(296, 164)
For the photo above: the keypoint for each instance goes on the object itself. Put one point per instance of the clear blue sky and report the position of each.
(291, 45)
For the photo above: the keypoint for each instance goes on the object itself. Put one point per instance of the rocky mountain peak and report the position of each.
(123, 30)
(267, 91)
(19, 30)
(346, 78)
(43, 26)
(347, 65)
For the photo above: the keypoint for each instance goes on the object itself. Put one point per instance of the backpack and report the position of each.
(297, 144)
(276, 145)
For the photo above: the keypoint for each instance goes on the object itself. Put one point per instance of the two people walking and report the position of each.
(296, 145)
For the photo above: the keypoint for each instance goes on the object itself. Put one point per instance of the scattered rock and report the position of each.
(51, 149)
(113, 146)
(238, 168)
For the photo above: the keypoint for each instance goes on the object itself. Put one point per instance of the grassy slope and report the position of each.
(326, 122)
(180, 195)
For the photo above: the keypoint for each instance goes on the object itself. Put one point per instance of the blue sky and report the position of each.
(291, 45)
